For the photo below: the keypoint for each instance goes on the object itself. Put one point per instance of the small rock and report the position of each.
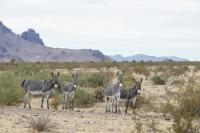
(23, 116)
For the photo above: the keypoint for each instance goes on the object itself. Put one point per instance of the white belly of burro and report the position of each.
(36, 92)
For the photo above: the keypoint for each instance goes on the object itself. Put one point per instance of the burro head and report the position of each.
(55, 80)
(120, 76)
(75, 80)
(138, 85)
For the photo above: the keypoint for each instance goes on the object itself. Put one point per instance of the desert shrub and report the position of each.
(185, 112)
(145, 103)
(83, 98)
(138, 126)
(141, 69)
(145, 123)
(99, 94)
(197, 68)
(165, 108)
(41, 123)
(11, 92)
(178, 82)
(128, 80)
(159, 79)
(94, 79)
(55, 102)
(177, 70)
(65, 78)
(153, 126)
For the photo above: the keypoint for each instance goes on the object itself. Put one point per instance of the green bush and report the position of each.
(128, 80)
(83, 98)
(159, 79)
(183, 114)
(94, 80)
(11, 92)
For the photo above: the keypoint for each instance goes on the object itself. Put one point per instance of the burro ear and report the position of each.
(73, 75)
(141, 80)
(52, 74)
(58, 74)
(77, 75)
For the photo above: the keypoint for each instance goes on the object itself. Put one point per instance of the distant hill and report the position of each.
(30, 47)
(139, 57)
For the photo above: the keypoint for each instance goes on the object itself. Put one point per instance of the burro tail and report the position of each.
(23, 83)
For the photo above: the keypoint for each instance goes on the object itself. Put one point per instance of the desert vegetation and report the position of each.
(41, 123)
(169, 99)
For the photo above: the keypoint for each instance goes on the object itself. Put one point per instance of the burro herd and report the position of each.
(114, 91)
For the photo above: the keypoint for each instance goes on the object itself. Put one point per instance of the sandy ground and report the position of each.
(14, 119)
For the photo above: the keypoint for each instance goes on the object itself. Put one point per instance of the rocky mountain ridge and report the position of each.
(21, 48)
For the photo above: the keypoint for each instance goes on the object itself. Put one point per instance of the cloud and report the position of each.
(131, 26)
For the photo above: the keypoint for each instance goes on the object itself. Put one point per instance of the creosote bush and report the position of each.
(94, 79)
(83, 98)
(11, 92)
(185, 110)
(128, 80)
(159, 79)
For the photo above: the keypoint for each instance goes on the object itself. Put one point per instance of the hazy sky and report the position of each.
(127, 27)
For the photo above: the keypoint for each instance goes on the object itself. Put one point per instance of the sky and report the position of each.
(127, 27)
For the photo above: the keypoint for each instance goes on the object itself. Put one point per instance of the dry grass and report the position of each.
(184, 107)
(41, 123)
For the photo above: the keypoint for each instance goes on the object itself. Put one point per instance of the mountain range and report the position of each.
(30, 47)
(142, 57)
